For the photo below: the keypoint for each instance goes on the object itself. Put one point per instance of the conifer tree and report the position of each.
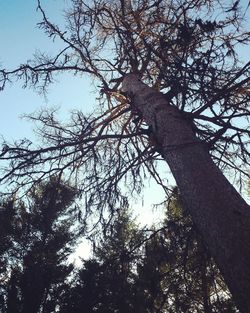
(40, 241)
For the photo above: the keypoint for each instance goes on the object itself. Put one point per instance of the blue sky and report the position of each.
(20, 38)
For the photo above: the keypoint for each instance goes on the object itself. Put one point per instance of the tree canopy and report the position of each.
(37, 238)
(132, 269)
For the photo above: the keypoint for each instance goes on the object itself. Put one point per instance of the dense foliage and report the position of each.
(36, 239)
(131, 269)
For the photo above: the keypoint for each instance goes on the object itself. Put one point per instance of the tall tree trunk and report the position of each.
(219, 212)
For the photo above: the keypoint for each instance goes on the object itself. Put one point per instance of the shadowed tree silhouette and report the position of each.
(177, 273)
(41, 239)
(106, 282)
(169, 270)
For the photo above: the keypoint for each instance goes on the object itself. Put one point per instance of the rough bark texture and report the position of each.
(219, 212)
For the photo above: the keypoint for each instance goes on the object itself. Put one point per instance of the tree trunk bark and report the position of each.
(218, 211)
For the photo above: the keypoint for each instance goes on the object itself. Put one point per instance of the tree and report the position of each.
(106, 282)
(41, 241)
(167, 270)
(191, 110)
(177, 273)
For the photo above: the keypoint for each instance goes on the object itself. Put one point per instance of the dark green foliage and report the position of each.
(169, 271)
(178, 272)
(39, 241)
(107, 283)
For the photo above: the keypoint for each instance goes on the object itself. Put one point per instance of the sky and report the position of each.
(20, 37)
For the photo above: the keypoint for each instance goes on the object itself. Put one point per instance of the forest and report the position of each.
(172, 92)
(129, 270)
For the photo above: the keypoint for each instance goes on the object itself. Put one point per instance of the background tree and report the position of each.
(106, 282)
(41, 238)
(132, 269)
(7, 214)
(177, 273)
(186, 53)
(169, 270)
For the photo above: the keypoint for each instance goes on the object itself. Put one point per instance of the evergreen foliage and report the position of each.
(38, 243)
